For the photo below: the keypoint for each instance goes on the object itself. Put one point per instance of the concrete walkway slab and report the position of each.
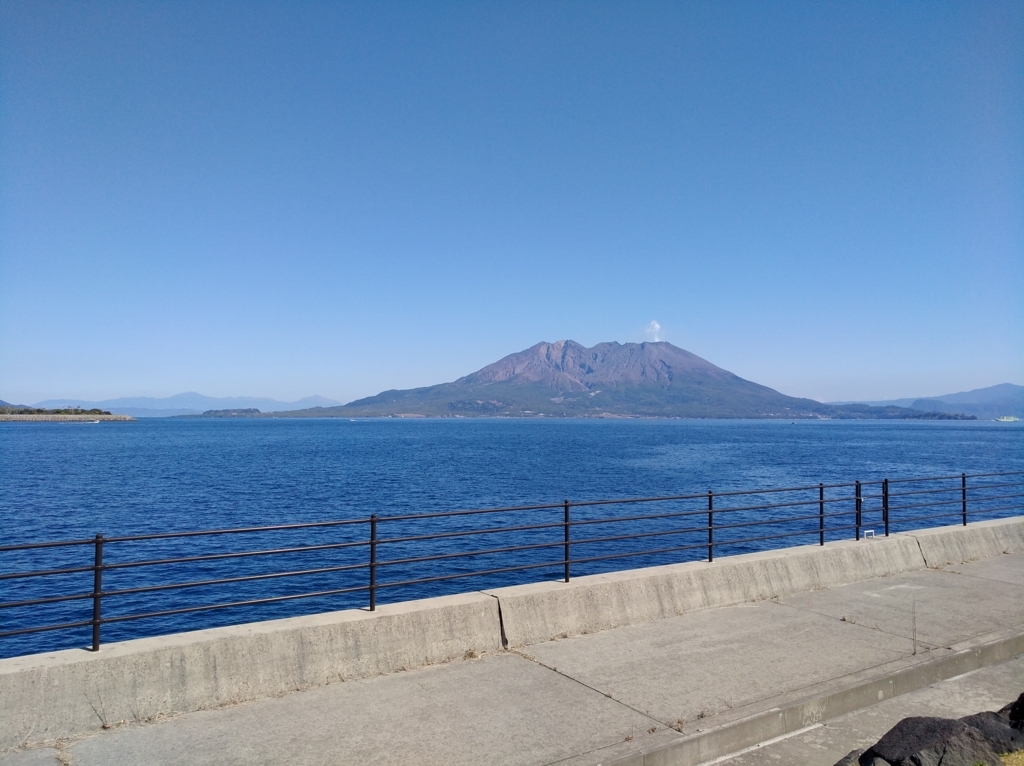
(894, 604)
(986, 689)
(43, 756)
(1005, 569)
(698, 665)
(500, 709)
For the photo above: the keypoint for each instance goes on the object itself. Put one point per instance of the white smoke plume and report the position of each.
(654, 330)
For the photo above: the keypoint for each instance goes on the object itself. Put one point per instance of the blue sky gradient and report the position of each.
(285, 199)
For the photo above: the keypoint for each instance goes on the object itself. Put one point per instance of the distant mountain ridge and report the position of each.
(189, 403)
(567, 379)
(988, 403)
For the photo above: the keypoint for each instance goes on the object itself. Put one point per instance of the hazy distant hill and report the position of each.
(987, 403)
(566, 379)
(189, 403)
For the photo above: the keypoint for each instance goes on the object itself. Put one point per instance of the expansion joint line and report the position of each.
(501, 623)
(921, 551)
(648, 716)
(976, 577)
(927, 646)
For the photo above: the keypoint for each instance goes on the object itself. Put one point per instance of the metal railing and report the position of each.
(427, 549)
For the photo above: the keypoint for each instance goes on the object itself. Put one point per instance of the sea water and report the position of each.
(74, 480)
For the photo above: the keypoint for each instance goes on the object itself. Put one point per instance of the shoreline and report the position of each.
(12, 418)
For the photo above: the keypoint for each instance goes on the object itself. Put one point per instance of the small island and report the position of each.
(248, 412)
(67, 414)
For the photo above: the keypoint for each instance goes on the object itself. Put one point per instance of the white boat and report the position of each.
(1007, 419)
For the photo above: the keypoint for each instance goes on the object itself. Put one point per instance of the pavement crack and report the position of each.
(64, 757)
(979, 577)
(587, 686)
(856, 624)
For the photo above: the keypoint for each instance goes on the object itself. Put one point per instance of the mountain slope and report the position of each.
(566, 379)
(990, 402)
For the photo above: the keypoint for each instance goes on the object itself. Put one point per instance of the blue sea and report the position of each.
(73, 480)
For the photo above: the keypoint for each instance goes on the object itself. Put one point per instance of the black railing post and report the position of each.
(885, 505)
(711, 526)
(821, 514)
(860, 506)
(97, 593)
(963, 496)
(566, 573)
(373, 562)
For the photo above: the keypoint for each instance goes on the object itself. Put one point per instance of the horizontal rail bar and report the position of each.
(785, 534)
(956, 488)
(48, 600)
(700, 545)
(467, 554)
(45, 572)
(954, 476)
(932, 504)
(998, 510)
(957, 501)
(469, 532)
(811, 501)
(34, 546)
(440, 514)
(675, 514)
(482, 572)
(228, 580)
(703, 495)
(971, 487)
(990, 498)
(652, 552)
(950, 514)
(227, 605)
(63, 626)
(933, 491)
(235, 530)
(231, 555)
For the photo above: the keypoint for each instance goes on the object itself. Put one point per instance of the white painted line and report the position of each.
(759, 745)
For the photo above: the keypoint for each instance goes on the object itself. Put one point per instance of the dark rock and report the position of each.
(997, 731)
(1016, 713)
(850, 759)
(932, 742)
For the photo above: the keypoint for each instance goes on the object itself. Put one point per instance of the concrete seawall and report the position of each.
(541, 611)
(61, 694)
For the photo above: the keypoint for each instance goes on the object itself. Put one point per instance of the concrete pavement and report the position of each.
(823, 744)
(638, 693)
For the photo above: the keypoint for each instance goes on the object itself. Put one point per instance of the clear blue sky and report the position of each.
(282, 199)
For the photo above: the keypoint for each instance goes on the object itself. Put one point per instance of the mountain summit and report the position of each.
(568, 366)
(567, 379)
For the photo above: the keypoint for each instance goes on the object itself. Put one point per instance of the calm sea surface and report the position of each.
(70, 480)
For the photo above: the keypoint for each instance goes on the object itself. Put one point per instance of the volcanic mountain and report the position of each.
(566, 379)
